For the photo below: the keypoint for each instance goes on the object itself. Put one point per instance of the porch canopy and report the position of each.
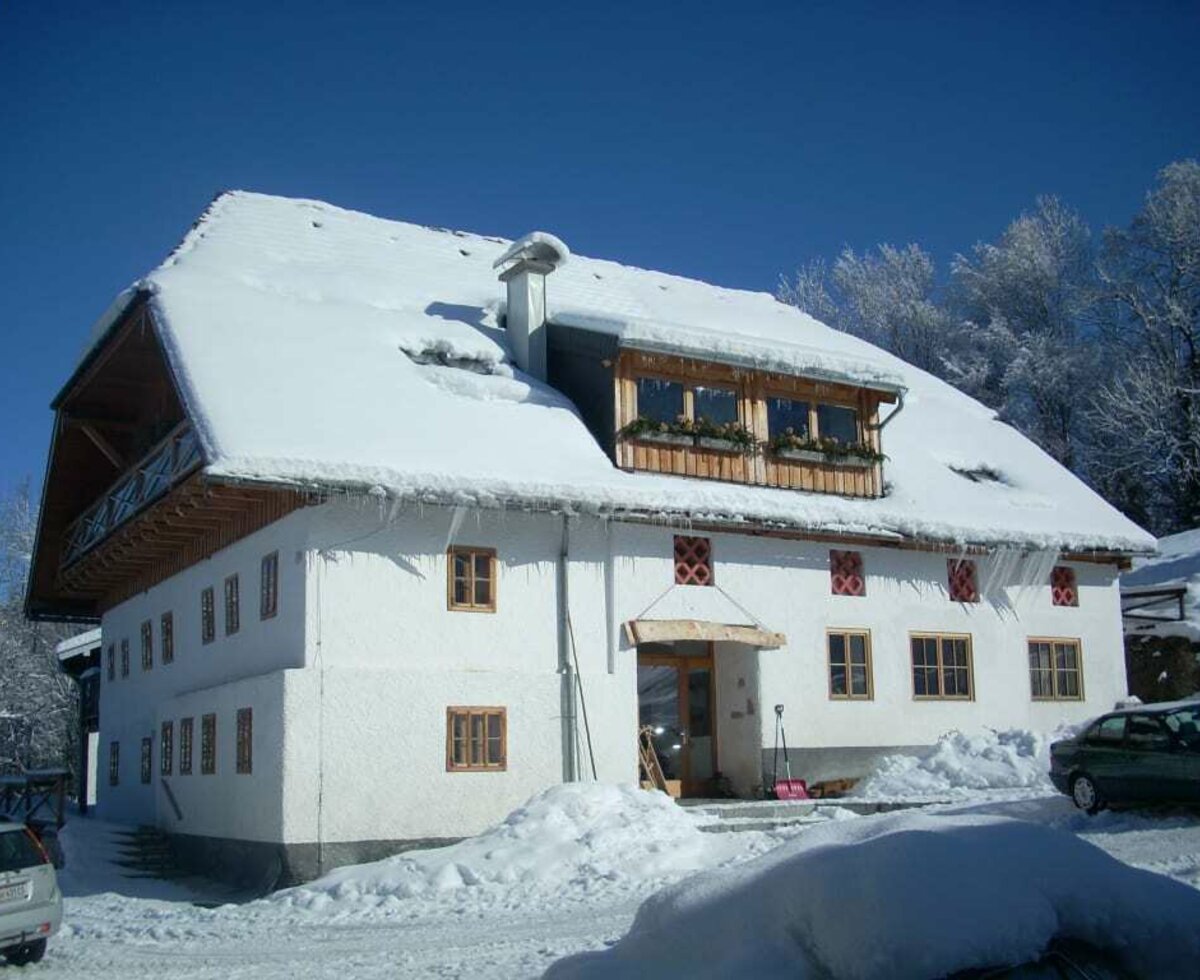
(700, 612)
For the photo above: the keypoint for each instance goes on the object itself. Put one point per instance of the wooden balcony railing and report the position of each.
(159, 470)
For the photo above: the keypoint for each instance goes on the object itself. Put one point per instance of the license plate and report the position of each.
(16, 892)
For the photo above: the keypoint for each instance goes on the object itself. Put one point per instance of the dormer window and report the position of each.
(714, 421)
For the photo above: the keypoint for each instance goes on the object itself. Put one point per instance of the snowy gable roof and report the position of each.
(315, 345)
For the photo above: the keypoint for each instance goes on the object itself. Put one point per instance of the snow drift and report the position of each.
(959, 764)
(905, 896)
(576, 838)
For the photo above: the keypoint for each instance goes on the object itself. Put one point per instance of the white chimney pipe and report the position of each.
(526, 263)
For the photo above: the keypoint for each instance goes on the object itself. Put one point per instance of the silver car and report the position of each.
(30, 902)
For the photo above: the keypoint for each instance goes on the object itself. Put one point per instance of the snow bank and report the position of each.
(579, 838)
(960, 764)
(906, 896)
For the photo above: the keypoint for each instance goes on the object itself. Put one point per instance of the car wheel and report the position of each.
(26, 953)
(1085, 795)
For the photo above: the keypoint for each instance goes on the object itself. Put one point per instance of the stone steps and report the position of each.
(735, 816)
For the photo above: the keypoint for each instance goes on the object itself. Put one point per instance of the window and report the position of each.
(1147, 733)
(659, 400)
(112, 662)
(941, 665)
(961, 580)
(245, 731)
(786, 415)
(472, 585)
(125, 658)
(1108, 731)
(185, 746)
(850, 665)
(166, 748)
(147, 645)
(1063, 591)
(837, 423)
(1054, 670)
(114, 763)
(268, 588)
(147, 749)
(716, 405)
(846, 573)
(232, 617)
(208, 616)
(476, 738)
(208, 744)
(693, 561)
(167, 629)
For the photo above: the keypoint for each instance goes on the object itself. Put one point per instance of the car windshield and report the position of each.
(18, 851)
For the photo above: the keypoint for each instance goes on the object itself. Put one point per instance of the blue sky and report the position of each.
(729, 142)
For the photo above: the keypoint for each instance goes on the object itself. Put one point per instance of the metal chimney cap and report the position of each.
(538, 246)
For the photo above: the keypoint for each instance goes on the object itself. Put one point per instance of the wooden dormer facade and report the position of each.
(125, 502)
(742, 425)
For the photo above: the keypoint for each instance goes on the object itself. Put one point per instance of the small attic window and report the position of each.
(980, 474)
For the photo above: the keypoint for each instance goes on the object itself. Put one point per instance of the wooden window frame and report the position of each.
(114, 763)
(472, 552)
(208, 744)
(268, 586)
(233, 604)
(1064, 587)
(814, 400)
(208, 615)
(147, 760)
(689, 382)
(941, 638)
(125, 657)
(470, 711)
(1070, 641)
(245, 740)
(147, 645)
(187, 729)
(847, 574)
(846, 633)
(166, 748)
(679, 556)
(166, 627)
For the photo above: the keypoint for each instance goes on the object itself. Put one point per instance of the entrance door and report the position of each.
(675, 698)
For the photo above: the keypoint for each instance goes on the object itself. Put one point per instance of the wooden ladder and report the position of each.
(648, 764)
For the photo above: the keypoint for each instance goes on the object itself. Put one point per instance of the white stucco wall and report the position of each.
(132, 707)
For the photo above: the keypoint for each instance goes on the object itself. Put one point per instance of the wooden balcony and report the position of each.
(165, 466)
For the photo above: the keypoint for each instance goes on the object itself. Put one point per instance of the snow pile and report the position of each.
(906, 896)
(960, 764)
(576, 838)
(1176, 564)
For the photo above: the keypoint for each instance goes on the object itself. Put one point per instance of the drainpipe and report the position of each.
(566, 669)
(879, 427)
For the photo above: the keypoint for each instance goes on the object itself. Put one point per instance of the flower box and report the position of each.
(813, 456)
(721, 445)
(666, 438)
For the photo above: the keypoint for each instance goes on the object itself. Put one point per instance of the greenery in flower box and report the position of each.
(788, 441)
(733, 432)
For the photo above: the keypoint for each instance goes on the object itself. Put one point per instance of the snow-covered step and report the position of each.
(733, 825)
(733, 815)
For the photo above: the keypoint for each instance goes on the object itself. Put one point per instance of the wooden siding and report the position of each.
(753, 388)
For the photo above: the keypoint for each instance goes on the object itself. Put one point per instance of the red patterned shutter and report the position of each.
(693, 561)
(961, 574)
(846, 573)
(1063, 590)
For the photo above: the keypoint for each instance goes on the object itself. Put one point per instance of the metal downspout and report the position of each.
(566, 670)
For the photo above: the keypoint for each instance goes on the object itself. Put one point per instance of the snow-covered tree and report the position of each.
(37, 702)
(888, 297)
(1148, 415)
(1028, 302)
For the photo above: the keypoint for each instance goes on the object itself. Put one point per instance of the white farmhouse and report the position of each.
(388, 527)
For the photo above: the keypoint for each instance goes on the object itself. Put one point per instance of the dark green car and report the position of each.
(1146, 754)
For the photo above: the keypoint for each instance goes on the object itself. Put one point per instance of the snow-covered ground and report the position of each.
(565, 873)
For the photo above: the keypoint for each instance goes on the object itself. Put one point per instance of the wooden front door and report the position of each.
(676, 699)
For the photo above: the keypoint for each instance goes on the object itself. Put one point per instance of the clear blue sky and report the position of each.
(729, 141)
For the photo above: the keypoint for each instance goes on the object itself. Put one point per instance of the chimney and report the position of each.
(526, 264)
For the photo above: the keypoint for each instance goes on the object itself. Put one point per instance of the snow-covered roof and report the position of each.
(1176, 565)
(77, 643)
(306, 340)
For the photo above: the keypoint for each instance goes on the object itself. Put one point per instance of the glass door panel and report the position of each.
(700, 728)
(658, 707)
